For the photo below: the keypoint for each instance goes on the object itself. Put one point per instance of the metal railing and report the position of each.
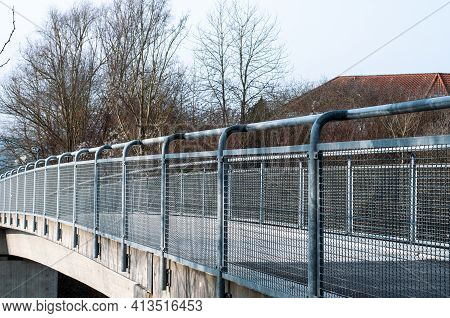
(347, 219)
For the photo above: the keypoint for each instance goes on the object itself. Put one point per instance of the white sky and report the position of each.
(323, 38)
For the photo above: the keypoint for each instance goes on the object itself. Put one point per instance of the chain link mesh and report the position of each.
(384, 215)
(7, 194)
(20, 191)
(29, 184)
(85, 194)
(110, 197)
(2, 194)
(66, 192)
(264, 237)
(13, 185)
(191, 207)
(39, 191)
(143, 202)
(397, 245)
(51, 190)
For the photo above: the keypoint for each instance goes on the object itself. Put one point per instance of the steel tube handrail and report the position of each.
(25, 221)
(76, 156)
(96, 244)
(162, 262)
(314, 244)
(47, 161)
(58, 194)
(17, 194)
(314, 161)
(124, 229)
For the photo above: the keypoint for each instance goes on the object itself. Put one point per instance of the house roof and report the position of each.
(345, 92)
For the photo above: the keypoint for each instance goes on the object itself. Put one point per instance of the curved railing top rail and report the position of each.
(436, 103)
(316, 120)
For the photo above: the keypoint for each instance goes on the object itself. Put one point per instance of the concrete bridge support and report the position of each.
(23, 278)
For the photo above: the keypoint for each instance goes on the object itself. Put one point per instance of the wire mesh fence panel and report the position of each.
(39, 191)
(292, 211)
(192, 184)
(110, 197)
(7, 194)
(20, 190)
(85, 194)
(143, 202)
(29, 184)
(245, 180)
(66, 192)
(2, 195)
(381, 197)
(51, 187)
(192, 210)
(336, 200)
(433, 196)
(272, 253)
(13, 185)
(381, 257)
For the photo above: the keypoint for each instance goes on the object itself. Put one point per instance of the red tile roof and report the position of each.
(345, 92)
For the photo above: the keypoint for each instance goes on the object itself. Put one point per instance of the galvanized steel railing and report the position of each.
(366, 218)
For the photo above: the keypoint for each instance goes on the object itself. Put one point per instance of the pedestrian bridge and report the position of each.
(346, 219)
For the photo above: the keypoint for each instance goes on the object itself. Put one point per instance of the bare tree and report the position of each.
(259, 60)
(242, 60)
(140, 44)
(214, 54)
(9, 38)
(53, 94)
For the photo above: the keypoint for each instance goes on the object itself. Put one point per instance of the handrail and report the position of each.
(315, 237)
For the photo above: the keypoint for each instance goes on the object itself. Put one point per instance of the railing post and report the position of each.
(25, 221)
(47, 161)
(164, 219)
(301, 195)
(34, 227)
(3, 201)
(96, 243)
(17, 195)
(349, 195)
(24, 198)
(124, 255)
(315, 234)
(261, 194)
(320, 224)
(413, 199)
(203, 193)
(10, 195)
(5, 220)
(76, 157)
(58, 195)
(222, 220)
(182, 191)
(2, 177)
(228, 195)
(8, 174)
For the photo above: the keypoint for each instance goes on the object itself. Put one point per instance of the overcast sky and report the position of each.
(323, 38)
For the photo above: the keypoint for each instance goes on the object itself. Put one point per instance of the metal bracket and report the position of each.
(99, 248)
(76, 239)
(169, 277)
